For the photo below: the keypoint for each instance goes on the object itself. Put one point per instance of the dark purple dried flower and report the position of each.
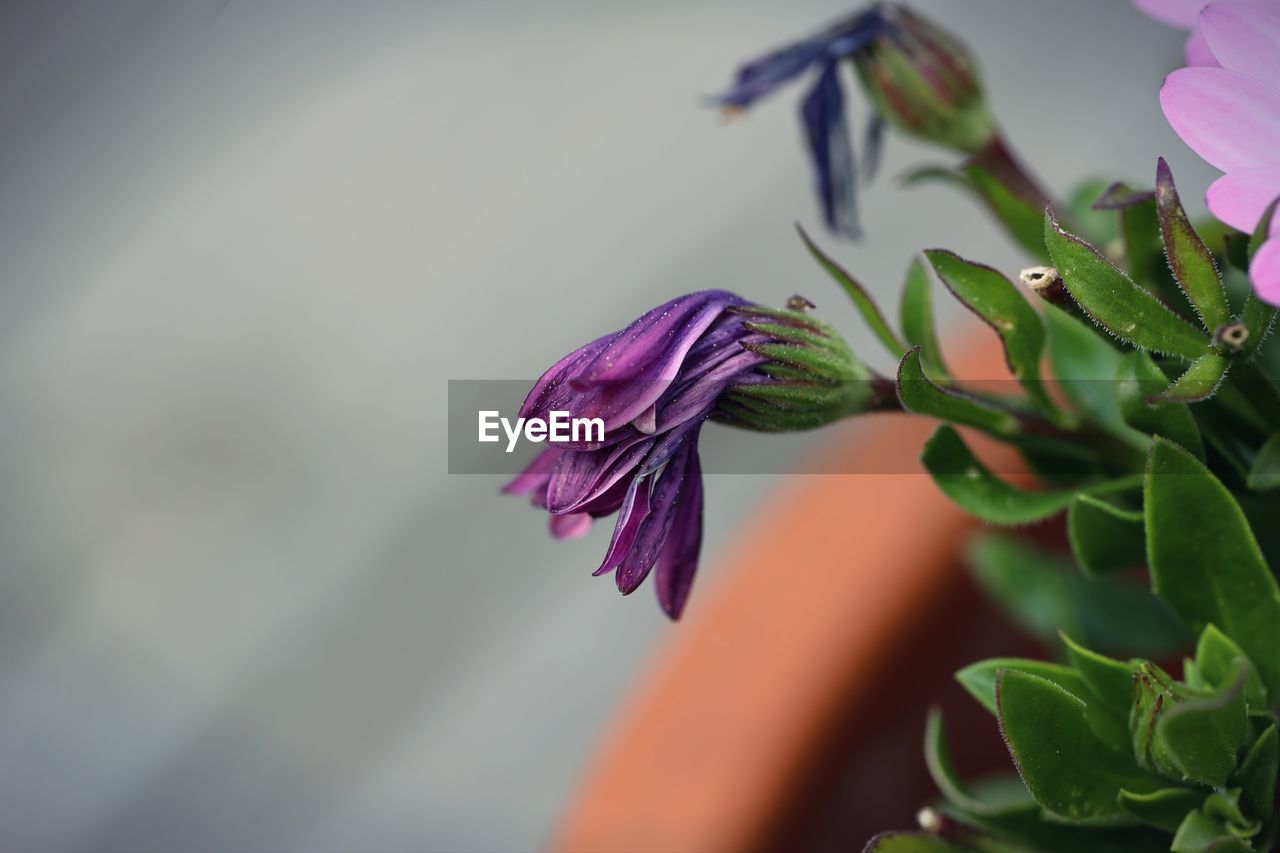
(918, 77)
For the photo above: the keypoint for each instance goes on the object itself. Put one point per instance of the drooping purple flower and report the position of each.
(653, 384)
(705, 355)
(918, 77)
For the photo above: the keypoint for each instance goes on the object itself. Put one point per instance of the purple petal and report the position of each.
(581, 476)
(635, 507)
(571, 525)
(1196, 51)
(1241, 197)
(678, 561)
(762, 76)
(1264, 271)
(535, 475)
(552, 387)
(822, 114)
(1243, 38)
(637, 365)
(662, 511)
(1228, 118)
(1175, 13)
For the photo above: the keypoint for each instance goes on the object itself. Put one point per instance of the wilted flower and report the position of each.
(654, 384)
(1227, 109)
(920, 78)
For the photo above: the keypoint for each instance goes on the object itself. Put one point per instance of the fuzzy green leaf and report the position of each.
(1071, 773)
(937, 758)
(1257, 774)
(1200, 833)
(1202, 735)
(1191, 261)
(922, 397)
(1204, 560)
(991, 296)
(1216, 654)
(1085, 365)
(973, 487)
(911, 842)
(1105, 538)
(858, 294)
(917, 321)
(1113, 301)
(1199, 382)
(980, 678)
(1139, 381)
(1164, 809)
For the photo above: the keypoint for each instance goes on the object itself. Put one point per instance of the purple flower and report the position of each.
(920, 79)
(653, 384)
(1227, 109)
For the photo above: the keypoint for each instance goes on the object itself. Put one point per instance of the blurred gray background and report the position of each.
(243, 245)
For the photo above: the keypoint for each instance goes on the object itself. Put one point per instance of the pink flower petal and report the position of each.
(1243, 38)
(1228, 118)
(1175, 13)
(1196, 51)
(1240, 198)
(1265, 272)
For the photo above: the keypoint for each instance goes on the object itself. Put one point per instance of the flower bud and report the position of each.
(811, 377)
(925, 82)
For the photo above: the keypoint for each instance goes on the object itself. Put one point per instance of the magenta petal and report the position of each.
(1241, 197)
(678, 561)
(1264, 270)
(634, 510)
(570, 525)
(1196, 51)
(1243, 38)
(1228, 118)
(1175, 13)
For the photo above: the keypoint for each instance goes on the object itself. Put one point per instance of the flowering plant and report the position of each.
(1155, 435)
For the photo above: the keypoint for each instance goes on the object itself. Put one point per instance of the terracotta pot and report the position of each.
(786, 710)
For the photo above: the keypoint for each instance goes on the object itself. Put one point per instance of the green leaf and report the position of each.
(1044, 595)
(1204, 560)
(1110, 681)
(1259, 318)
(911, 842)
(980, 678)
(917, 321)
(1139, 382)
(1200, 833)
(922, 397)
(1201, 736)
(1085, 364)
(991, 296)
(1114, 302)
(973, 487)
(1164, 809)
(1199, 382)
(861, 299)
(937, 758)
(1066, 768)
(1257, 774)
(1096, 223)
(1265, 473)
(1105, 538)
(1216, 654)
(1191, 261)
(1020, 219)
